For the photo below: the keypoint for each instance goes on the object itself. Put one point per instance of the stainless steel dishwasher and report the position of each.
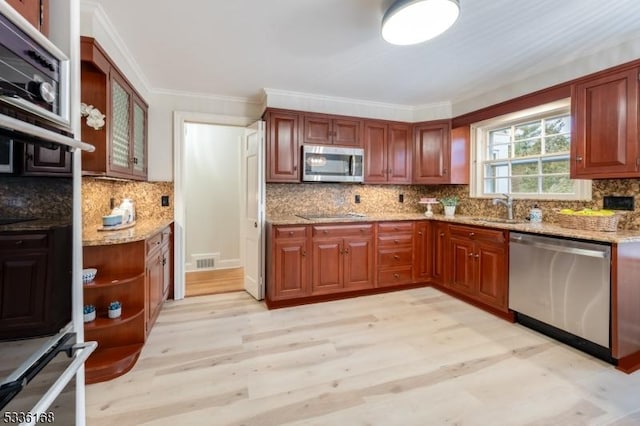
(564, 284)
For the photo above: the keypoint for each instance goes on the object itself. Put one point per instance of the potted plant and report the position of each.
(89, 313)
(449, 204)
(115, 309)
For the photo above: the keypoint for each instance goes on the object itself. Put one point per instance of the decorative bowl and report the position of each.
(88, 275)
(111, 220)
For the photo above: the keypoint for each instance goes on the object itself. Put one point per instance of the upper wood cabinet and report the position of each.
(605, 126)
(34, 11)
(121, 145)
(327, 129)
(431, 153)
(283, 151)
(46, 161)
(387, 152)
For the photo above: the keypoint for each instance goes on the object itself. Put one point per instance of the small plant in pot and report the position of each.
(449, 204)
(115, 309)
(89, 313)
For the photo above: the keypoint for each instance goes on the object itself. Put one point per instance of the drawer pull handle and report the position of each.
(477, 256)
(290, 233)
(441, 234)
(19, 242)
(396, 257)
(396, 241)
(471, 234)
(470, 254)
(396, 276)
(419, 232)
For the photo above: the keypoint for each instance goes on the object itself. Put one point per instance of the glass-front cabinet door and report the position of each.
(120, 151)
(139, 138)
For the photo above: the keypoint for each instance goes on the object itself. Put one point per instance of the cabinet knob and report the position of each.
(477, 255)
(471, 234)
(444, 171)
(441, 234)
(19, 242)
(290, 233)
(470, 254)
(396, 276)
(346, 251)
(295, 168)
(578, 158)
(396, 257)
(304, 253)
(325, 232)
(419, 232)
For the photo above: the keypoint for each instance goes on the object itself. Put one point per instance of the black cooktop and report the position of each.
(10, 220)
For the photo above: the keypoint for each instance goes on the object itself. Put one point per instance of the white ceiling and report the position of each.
(333, 47)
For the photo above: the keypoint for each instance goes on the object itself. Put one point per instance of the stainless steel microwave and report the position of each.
(332, 164)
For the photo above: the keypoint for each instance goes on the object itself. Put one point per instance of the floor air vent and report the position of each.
(205, 263)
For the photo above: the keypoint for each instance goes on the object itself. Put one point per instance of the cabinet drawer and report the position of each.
(395, 240)
(342, 230)
(395, 276)
(23, 241)
(394, 227)
(290, 232)
(395, 257)
(474, 233)
(154, 242)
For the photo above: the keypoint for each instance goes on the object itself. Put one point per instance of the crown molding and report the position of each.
(104, 25)
(212, 97)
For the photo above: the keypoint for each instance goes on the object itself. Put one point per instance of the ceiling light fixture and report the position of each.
(414, 21)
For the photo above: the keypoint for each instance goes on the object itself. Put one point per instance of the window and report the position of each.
(526, 155)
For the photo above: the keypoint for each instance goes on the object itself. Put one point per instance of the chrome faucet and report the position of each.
(508, 203)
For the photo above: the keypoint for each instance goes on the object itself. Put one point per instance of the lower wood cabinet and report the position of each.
(440, 246)
(395, 253)
(138, 275)
(479, 264)
(342, 258)
(288, 263)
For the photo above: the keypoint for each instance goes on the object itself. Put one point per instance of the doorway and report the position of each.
(218, 262)
(212, 200)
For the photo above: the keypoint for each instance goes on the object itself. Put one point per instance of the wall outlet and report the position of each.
(164, 200)
(401, 198)
(357, 199)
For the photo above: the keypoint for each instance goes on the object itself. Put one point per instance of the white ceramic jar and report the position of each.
(128, 211)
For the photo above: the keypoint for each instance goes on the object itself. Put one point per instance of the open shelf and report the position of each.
(103, 321)
(112, 280)
(108, 363)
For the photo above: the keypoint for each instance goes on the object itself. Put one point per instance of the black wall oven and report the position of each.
(40, 348)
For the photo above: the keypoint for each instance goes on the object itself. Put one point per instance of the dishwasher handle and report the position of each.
(601, 254)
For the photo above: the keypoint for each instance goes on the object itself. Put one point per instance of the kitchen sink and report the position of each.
(333, 216)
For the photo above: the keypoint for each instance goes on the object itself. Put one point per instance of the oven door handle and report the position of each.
(30, 130)
(82, 352)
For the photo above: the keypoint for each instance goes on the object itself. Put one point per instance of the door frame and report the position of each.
(180, 118)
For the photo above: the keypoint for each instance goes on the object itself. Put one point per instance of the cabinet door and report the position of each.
(23, 308)
(346, 132)
(462, 265)
(139, 154)
(375, 152)
(120, 143)
(399, 154)
(291, 269)
(34, 11)
(155, 287)
(316, 129)
(440, 247)
(42, 161)
(166, 270)
(491, 274)
(431, 153)
(358, 263)
(605, 133)
(327, 266)
(423, 259)
(282, 147)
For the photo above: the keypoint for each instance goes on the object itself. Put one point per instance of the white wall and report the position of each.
(212, 193)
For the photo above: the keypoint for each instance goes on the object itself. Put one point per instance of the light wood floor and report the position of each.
(416, 357)
(199, 283)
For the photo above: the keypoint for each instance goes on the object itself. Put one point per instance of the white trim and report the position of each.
(222, 98)
(179, 120)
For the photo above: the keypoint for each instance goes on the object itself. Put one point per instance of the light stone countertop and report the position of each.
(534, 228)
(141, 231)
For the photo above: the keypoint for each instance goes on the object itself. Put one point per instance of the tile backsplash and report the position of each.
(97, 192)
(288, 199)
(41, 197)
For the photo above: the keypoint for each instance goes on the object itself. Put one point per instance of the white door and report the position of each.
(253, 208)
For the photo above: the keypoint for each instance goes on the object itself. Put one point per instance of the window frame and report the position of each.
(480, 131)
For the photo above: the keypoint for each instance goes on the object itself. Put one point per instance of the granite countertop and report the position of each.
(535, 228)
(141, 231)
(43, 224)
